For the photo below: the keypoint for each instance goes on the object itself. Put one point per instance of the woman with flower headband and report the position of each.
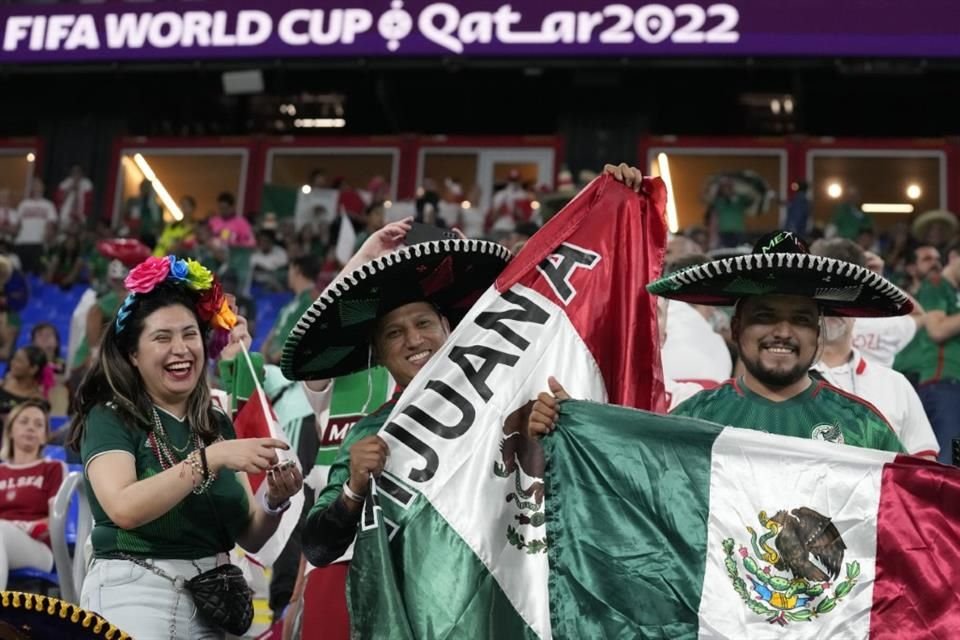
(165, 472)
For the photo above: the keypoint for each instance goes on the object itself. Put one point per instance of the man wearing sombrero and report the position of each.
(397, 311)
(780, 292)
(27, 616)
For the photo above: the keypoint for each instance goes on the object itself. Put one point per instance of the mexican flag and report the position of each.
(668, 527)
(454, 540)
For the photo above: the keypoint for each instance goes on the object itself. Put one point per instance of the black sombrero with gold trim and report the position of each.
(332, 337)
(28, 616)
(781, 265)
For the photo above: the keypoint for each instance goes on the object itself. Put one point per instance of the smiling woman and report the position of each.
(165, 471)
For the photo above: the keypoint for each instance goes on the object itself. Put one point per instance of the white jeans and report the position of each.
(143, 604)
(19, 551)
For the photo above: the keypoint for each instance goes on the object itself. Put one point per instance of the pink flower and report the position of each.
(743, 552)
(766, 570)
(147, 275)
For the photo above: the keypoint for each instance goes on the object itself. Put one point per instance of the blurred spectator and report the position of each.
(46, 337)
(74, 198)
(301, 279)
(350, 201)
(98, 317)
(798, 210)
(427, 204)
(178, 235)
(8, 215)
(729, 211)
(227, 226)
(144, 213)
(27, 378)
(14, 289)
(923, 261)
(374, 219)
(507, 203)
(66, 265)
(28, 483)
(935, 228)
(269, 261)
(35, 215)
(209, 250)
(520, 235)
(316, 209)
(701, 236)
(848, 218)
(932, 359)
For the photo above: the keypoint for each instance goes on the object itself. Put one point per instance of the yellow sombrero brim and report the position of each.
(34, 616)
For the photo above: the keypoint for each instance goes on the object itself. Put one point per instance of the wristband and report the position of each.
(270, 511)
(350, 494)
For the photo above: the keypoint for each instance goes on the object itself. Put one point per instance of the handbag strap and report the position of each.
(178, 581)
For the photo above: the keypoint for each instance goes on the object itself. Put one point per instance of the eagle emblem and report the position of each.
(523, 458)
(790, 570)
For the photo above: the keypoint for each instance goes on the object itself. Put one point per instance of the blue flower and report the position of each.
(178, 268)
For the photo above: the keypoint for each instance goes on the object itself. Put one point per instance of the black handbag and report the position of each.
(222, 596)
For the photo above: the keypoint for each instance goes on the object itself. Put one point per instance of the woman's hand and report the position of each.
(283, 481)
(240, 334)
(252, 455)
(543, 416)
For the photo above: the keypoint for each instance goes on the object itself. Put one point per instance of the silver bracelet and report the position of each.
(351, 494)
(271, 511)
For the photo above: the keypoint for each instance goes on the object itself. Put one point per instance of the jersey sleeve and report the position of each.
(917, 435)
(104, 432)
(879, 435)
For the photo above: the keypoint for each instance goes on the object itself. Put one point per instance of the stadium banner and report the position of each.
(231, 29)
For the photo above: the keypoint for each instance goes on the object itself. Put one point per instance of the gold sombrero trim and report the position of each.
(53, 606)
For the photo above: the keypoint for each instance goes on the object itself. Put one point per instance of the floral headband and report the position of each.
(212, 307)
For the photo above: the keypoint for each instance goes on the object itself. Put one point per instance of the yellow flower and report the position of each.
(198, 276)
(225, 318)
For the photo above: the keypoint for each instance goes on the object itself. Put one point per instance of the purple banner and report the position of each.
(212, 29)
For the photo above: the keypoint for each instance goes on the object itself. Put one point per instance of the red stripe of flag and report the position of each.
(917, 588)
(611, 308)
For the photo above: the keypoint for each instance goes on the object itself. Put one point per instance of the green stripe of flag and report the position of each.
(612, 564)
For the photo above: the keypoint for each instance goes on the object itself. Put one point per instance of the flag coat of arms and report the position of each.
(454, 538)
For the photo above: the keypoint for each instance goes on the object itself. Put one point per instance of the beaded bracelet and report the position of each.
(208, 478)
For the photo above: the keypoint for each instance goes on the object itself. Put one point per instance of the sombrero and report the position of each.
(27, 616)
(923, 221)
(332, 337)
(781, 264)
(129, 251)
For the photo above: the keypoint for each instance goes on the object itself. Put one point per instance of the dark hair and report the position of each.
(227, 198)
(36, 357)
(308, 265)
(840, 249)
(916, 246)
(113, 378)
(190, 199)
(45, 325)
(373, 206)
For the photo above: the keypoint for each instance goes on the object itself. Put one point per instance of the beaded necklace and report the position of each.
(160, 444)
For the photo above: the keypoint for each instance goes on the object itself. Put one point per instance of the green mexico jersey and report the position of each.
(198, 526)
(926, 360)
(821, 412)
(340, 467)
